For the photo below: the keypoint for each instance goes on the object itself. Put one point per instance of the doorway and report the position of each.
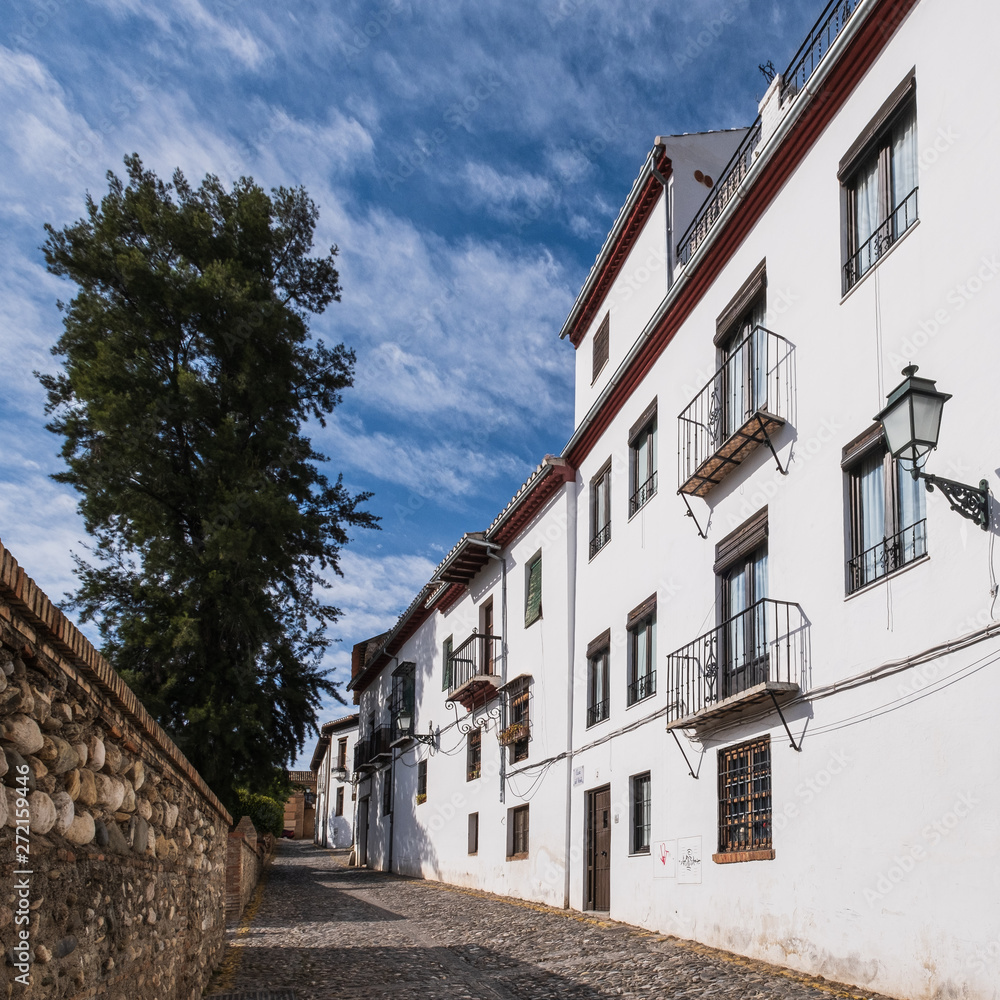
(363, 832)
(599, 849)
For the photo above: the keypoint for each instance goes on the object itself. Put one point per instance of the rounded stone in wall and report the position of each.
(81, 830)
(64, 811)
(23, 734)
(43, 812)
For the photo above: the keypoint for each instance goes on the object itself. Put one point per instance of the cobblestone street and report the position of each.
(323, 930)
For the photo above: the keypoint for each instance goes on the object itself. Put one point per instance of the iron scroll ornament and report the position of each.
(968, 501)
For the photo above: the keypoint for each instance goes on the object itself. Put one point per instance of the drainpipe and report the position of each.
(571, 545)
(392, 805)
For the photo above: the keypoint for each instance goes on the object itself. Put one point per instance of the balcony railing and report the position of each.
(642, 494)
(879, 242)
(475, 670)
(362, 753)
(598, 712)
(831, 22)
(600, 540)
(644, 686)
(380, 743)
(746, 401)
(758, 651)
(887, 556)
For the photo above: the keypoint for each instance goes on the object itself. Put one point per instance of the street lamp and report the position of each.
(911, 420)
(404, 725)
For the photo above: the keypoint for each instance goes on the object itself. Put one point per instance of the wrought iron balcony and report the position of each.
(887, 556)
(754, 655)
(598, 713)
(644, 686)
(362, 753)
(642, 494)
(831, 22)
(867, 255)
(475, 671)
(380, 743)
(600, 540)
(746, 401)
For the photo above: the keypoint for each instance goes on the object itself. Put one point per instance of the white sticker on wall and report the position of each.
(665, 858)
(577, 776)
(689, 861)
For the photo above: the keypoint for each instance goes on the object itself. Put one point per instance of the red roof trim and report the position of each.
(528, 506)
(864, 49)
(620, 251)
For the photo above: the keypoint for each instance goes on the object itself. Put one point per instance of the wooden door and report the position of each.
(599, 849)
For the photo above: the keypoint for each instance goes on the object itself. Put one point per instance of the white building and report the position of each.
(767, 725)
(336, 792)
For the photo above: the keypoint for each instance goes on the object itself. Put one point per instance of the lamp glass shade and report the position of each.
(405, 721)
(911, 419)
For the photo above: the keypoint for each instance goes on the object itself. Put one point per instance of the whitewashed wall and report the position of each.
(883, 873)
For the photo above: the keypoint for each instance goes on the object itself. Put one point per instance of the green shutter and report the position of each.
(533, 600)
(446, 664)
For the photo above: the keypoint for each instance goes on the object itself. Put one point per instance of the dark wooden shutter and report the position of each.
(533, 599)
(741, 542)
(601, 341)
(603, 641)
(741, 301)
(645, 417)
(878, 125)
(473, 833)
(641, 612)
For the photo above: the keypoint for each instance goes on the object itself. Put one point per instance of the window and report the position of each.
(642, 459)
(879, 178)
(641, 627)
(486, 621)
(474, 755)
(387, 791)
(473, 833)
(342, 753)
(745, 802)
(601, 347)
(743, 379)
(598, 657)
(339, 810)
(533, 591)
(641, 813)
(517, 734)
(447, 649)
(422, 781)
(401, 701)
(741, 565)
(887, 510)
(517, 836)
(600, 509)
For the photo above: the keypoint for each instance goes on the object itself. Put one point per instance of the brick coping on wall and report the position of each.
(72, 647)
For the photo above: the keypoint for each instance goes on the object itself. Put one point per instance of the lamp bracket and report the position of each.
(968, 501)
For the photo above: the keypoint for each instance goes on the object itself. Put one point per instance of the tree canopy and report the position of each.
(188, 375)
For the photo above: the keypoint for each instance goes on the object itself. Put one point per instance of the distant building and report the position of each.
(747, 699)
(300, 807)
(336, 792)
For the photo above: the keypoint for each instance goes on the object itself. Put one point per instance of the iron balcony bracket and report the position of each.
(690, 514)
(968, 501)
(777, 708)
(767, 441)
(673, 732)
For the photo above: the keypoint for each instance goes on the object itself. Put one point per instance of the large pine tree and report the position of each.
(188, 373)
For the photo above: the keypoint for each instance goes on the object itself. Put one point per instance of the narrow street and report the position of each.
(319, 930)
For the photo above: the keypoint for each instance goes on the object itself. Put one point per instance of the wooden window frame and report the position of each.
(599, 658)
(473, 841)
(339, 802)
(342, 753)
(421, 781)
(642, 619)
(600, 534)
(641, 788)
(642, 490)
(519, 710)
(519, 846)
(474, 755)
(741, 798)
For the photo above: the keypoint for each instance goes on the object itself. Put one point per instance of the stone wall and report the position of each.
(245, 860)
(122, 842)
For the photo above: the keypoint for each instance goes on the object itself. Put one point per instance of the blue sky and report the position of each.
(468, 160)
